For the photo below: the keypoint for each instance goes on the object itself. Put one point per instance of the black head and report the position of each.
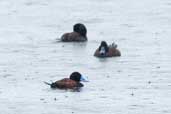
(104, 45)
(76, 76)
(80, 28)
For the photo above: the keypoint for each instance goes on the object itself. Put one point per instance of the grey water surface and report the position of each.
(138, 82)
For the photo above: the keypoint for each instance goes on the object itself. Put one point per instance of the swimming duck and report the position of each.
(79, 34)
(69, 83)
(107, 51)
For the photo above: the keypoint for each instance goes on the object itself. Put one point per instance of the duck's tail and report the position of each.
(47, 83)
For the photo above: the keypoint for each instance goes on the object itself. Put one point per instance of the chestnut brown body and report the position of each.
(113, 52)
(73, 37)
(66, 83)
(79, 34)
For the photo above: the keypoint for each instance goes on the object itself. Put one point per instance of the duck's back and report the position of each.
(73, 36)
(113, 52)
(67, 83)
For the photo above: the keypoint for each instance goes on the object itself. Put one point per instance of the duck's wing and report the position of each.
(61, 83)
(66, 83)
(114, 52)
(74, 36)
(65, 37)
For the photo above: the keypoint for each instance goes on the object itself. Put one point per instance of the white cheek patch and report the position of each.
(102, 51)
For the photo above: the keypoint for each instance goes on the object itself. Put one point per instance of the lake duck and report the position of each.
(79, 34)
(69, 83)
(107, 51)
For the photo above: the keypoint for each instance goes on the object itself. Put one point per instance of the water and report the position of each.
(138, 82)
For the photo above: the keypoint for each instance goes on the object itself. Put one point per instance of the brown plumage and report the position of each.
(68, 83)
(79, 34)
(73, 37)
(107, 51)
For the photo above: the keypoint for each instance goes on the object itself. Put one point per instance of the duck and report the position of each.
(69, 83)
(79, 34)
(107, 51)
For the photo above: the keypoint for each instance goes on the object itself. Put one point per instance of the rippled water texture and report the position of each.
(138, 82)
